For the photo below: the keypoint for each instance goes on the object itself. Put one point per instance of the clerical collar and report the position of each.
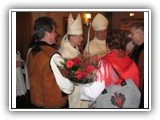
(75, 47)
(99, 41)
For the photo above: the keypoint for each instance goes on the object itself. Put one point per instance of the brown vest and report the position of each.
(43, 87)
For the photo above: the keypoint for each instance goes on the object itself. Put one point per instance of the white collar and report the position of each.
(70, 46)
(99, 41)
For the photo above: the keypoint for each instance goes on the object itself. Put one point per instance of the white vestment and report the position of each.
(97, 47)
(67, 51)
(20, 83)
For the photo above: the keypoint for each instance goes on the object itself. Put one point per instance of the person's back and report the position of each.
(118, 59)
(124, 67)
(113, 68)
(119, 67)
(44, 89)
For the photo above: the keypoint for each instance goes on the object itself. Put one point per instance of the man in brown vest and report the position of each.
(48, 87)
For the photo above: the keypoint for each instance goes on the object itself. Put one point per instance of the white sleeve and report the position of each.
(91, 92)
(18, 57)
(64, 84)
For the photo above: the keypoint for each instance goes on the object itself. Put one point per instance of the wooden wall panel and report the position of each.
(23, 32)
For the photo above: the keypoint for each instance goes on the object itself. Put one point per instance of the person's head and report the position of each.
(45, 29)
(100, 25)
(137, 32)
(75, 31)
(75, 40)
(116, 39)
(101, 34)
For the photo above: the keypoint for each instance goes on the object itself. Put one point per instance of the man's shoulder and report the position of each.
(66, 44)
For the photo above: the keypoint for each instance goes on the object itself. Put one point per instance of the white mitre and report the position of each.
(74, 27)
(99, 22)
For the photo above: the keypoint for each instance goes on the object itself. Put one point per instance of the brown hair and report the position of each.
(116, 39)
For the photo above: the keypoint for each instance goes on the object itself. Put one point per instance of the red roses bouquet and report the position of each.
(82, 69)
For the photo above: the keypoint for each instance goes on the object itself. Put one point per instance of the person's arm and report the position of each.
(64, 84)
(91, 92)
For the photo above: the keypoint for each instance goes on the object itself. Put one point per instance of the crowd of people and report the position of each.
(118, 61)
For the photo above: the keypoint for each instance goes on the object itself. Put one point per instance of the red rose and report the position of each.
(77, 61)
(90, 68)
(84, 74)
(78, 75)
(69, 63)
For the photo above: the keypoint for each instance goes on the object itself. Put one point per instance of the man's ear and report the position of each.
(46, 34)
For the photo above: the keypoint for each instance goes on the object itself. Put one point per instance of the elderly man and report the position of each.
(97, 46)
